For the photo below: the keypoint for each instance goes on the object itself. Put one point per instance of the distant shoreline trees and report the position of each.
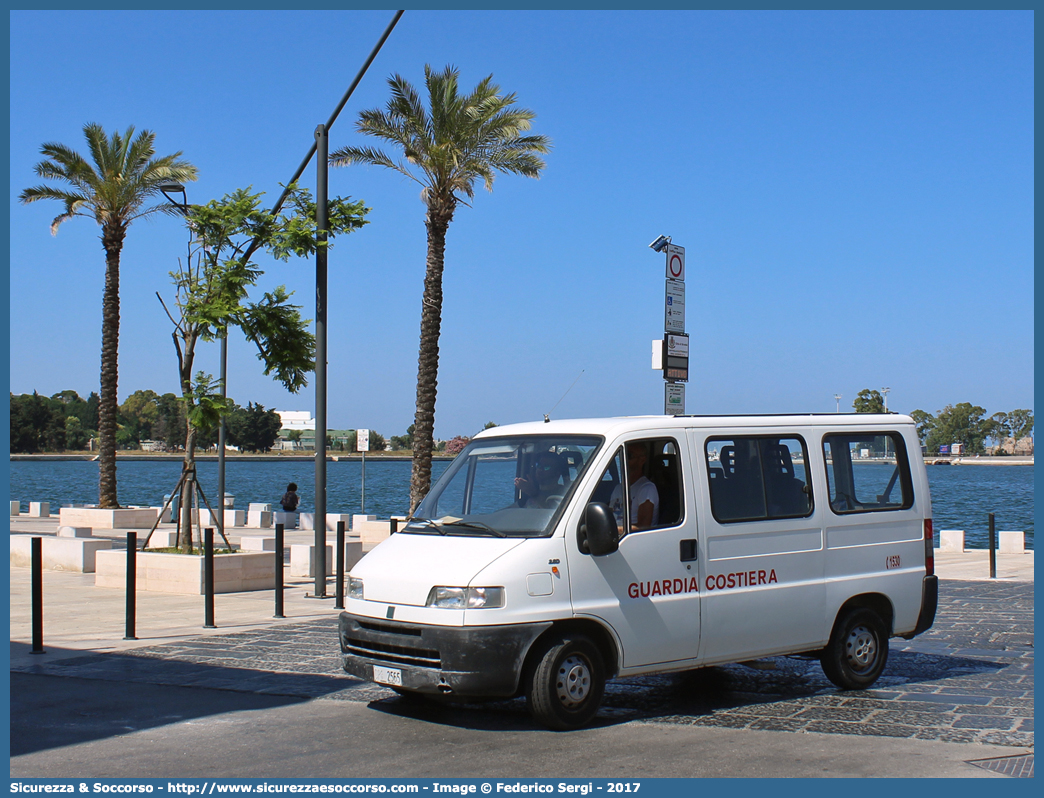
(963, 423)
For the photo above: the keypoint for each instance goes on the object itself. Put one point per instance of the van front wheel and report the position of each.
(857, 651)
(567, 685)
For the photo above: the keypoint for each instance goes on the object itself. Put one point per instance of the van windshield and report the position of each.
(505, 487)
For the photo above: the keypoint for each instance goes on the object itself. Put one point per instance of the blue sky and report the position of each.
(854, 191)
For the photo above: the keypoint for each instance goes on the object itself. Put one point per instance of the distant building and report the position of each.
(1023, 447)
(299, 421)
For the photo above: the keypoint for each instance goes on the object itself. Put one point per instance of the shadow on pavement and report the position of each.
(50, 711)
(696, 694)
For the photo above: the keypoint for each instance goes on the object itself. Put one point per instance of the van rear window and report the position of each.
(867, 472)
(758, 478)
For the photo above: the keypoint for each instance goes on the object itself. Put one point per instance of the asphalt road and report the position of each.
(71, 727)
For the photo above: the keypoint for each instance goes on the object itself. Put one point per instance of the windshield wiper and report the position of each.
(477, 525)
(425, 522)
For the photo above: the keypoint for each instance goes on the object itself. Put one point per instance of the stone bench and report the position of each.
(370, 529)
(1012, 542)
(951, 540)
(259, 519)
(59, 554)
(1009, 541)
(302, 557)
(39, 509)
(75, 532)
(288, 520)
(307, 521)
(16, 508)
(257, 543)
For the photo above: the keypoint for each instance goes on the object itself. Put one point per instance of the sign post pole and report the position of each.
(362, 444)
(675, 347)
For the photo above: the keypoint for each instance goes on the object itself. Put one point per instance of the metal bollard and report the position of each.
(132, 578)
(339, 590)
(279, 572)
(208, 578)
(394, 525)
(993, 549)
(36, 561)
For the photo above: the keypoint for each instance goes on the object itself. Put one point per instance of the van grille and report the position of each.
(401, 655)
(397, 645)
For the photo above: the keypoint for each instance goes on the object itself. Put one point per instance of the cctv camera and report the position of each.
(659, 244)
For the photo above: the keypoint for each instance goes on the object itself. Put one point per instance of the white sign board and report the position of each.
(674, 399)
(678, 346)
(674, 307)
(675, 262)
(362, 440)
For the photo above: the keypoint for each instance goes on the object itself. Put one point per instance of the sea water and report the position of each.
(962, 496)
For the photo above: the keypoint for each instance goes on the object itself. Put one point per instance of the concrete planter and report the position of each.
(126, 518)
(183, 573)
(59, 554)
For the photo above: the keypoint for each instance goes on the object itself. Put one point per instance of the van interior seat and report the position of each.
(664, 474)
(784, 491)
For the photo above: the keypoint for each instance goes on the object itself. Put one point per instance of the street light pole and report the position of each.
(321, 189)
(837, 398)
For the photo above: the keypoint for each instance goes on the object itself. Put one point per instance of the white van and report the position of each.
(531, 569)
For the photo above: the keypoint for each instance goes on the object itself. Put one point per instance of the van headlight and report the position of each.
(465, 598)
(355, 588)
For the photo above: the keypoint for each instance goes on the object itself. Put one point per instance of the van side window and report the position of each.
(867, 472)
(643, 485)
(758, 478)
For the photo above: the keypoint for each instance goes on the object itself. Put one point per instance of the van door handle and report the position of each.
(688, 550)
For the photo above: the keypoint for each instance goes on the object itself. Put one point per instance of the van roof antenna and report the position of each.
(547, 415)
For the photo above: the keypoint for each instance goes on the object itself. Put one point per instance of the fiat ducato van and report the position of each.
(550, 557)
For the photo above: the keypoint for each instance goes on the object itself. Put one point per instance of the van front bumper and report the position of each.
(475, 661)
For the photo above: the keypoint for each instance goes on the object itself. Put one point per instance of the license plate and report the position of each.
(391, 676)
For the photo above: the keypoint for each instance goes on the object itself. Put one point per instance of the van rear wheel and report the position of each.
(858, 650)
(567, 685)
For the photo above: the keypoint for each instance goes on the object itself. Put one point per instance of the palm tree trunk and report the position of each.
(112, 241)
(437, 223)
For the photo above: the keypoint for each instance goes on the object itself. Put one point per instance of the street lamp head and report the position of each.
(660, 243)
(169, 187)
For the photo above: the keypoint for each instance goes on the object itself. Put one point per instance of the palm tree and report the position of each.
(114, 191)
(461, 139)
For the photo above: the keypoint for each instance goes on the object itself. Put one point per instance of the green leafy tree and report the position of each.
(489, 425)
(170, 426)
(962, 423)
(116, 190)
(294, 436)
(378, 443)
(868, 401)
(400, 442)
(75, 435)
(253, 429)
(140, 411)
(37, 424)
(445, 148)
(999, 430)
(1020, 424)
(925, 422)
(90, 413)
(211, 296)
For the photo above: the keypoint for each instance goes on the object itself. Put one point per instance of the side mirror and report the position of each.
(597, 533)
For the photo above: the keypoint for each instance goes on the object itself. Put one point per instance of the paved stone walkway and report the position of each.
(969, 679)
